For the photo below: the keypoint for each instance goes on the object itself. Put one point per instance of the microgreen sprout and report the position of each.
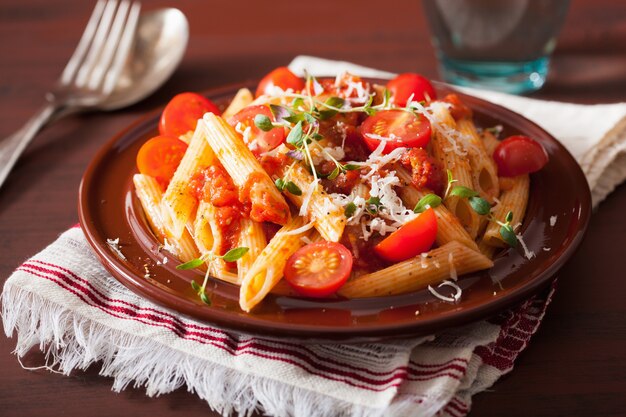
(230, 256)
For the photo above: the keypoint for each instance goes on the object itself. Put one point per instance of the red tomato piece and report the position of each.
(182, 113)
(458, 109)
(519, 155)
(426, 172)
(159, 157)
(281, 77)
(404, 129)
(319, 269)
(406, 85)
(257, 140)
(411, 239)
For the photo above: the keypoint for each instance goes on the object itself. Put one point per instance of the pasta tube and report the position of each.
(267, 269)
(256, 187)
(242, 99)
(514, 200)
(414, 274)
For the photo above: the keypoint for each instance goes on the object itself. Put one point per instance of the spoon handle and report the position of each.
(12, 147)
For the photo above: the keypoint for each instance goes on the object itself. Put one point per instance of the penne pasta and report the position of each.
(490, 142)
(449, 150)
(252, 237)
(179, 202)
(329, 219)
(149, 193)
(514, 200)
(446, 261)
(257, 188)
(267, 269)
(484, 170)
(242, 99)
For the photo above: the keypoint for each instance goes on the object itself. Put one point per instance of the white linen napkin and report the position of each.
(63, 301)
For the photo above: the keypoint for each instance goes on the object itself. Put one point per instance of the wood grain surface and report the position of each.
(574, 366)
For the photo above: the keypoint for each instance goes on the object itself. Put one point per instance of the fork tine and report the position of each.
(123, 49)
(83, 44)
(97, 44)
(110, 44)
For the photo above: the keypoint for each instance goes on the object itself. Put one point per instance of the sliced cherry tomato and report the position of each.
(406, 85)
(281, 77)
(518, 155)
(319, 269)
(403, 129)
(258, 141)
(159, 157)
(410, 239)
(182, 113)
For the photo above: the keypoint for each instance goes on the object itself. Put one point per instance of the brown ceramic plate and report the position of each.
(108, 208)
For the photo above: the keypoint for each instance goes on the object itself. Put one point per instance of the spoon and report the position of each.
(160, 43)
(158, 46)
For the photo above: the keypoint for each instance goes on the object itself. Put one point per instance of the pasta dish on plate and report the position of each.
(333, 188)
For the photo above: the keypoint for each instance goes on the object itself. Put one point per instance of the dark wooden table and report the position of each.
(575, 365)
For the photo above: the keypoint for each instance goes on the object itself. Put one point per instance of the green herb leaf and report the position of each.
(317, 136)
(326, 114)
(334, 102)
(263, 122)
(280, 112)
(387, 97)
(297, 102)
(293, 188)
(351, 167)
(295, 118)
(334, 174)
(508, 235)
(463, 192)
(429, 200)
(195, 286)
(280, 184)
(194, 263)
(373, 204)
(350, 209)
(450, 178)
(509, 217)
(234, 254)
(480, 205)
(295, 136)
(309, 118)
(205, 299)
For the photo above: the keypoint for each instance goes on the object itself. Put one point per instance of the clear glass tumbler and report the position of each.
(502, 45)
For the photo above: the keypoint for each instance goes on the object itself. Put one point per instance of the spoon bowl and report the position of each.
(160, 43)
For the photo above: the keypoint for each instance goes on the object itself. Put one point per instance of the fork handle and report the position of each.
(12, 147)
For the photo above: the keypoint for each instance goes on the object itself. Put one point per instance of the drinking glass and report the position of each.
(503, 45)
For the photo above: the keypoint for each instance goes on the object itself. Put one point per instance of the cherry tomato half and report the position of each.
(258, 141)
(518, 155)
(410, 239)
(406, 85)
(182, 113)
(319, 269)
(281, 77)
(405, 130)
(159, 157)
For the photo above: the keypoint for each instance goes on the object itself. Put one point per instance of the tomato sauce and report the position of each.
(365, 259)
(265, 208)
(426, 173)
(214, 185)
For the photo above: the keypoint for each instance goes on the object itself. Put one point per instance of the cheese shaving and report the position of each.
(300, 229)
(553, 220)
(527, 253)
(114, 244)
(447, 283)
(306, 199)
(453, 273)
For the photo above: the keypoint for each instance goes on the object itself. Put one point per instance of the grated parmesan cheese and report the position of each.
(300, 229)
(245, 133)
(306, 199)
(553, 220)
(114, 244)
(447, 283)
(527, 253)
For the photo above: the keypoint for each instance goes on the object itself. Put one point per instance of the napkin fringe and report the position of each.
(70, 341)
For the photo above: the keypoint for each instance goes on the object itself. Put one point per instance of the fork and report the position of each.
(89, 77)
